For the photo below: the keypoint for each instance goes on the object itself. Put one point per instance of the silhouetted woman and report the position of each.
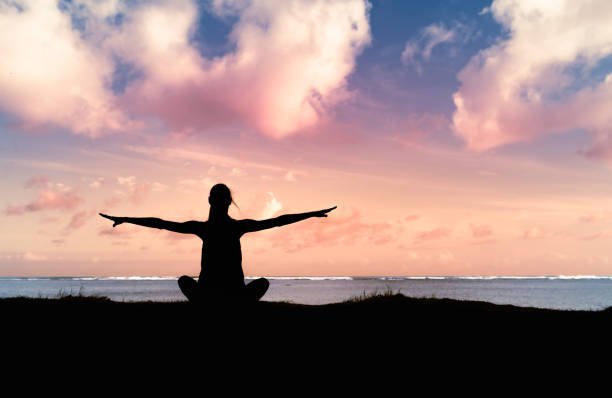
(221, 275)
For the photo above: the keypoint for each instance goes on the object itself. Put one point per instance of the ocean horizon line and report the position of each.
(319, 278)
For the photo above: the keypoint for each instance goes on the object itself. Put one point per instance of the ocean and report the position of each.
(558, 292)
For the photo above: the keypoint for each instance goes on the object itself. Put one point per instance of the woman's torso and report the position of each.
(221, 265)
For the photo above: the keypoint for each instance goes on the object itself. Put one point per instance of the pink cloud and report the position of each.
(522, 88)
(289, 65)
(347, 229)
(593, 217)
(120, 243)
(132, 190)
(412, 217)
(481, 231)
(78, 220)
(124, 233)
(535, 233)
(47, 200)
(483, 242)
(432, 234)
(174, 238)
(594, 236)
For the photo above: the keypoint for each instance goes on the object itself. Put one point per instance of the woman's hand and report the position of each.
(116, 220)
(322, 213)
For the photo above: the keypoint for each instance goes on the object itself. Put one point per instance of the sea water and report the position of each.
(560, 292)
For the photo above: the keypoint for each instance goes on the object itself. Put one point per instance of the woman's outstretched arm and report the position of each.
(188, 227)
(254, 225)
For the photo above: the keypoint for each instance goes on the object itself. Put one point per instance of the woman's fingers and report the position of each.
(115, 220)
(112, 218)
(323, 213)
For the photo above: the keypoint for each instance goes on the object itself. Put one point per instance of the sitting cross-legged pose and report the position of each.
(221, 275)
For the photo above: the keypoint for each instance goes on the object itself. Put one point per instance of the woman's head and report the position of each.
(220, 197)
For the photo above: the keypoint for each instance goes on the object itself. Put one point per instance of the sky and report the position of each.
(455, 137)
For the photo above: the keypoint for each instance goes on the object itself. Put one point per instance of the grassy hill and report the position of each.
(378, 335)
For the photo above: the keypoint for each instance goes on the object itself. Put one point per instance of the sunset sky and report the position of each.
(455, 137)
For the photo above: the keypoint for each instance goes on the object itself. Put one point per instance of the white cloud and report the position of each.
(486, 10)
(97, 183)
(61, 187)
(290, 176)
(419, 50)
(288, 67)
(434, 35)
(540, 79)
(50, 75)
(271, 207)
(236, 172)
(410, 53)
(127, 181)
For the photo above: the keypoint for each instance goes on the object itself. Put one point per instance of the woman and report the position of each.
(221, 275)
